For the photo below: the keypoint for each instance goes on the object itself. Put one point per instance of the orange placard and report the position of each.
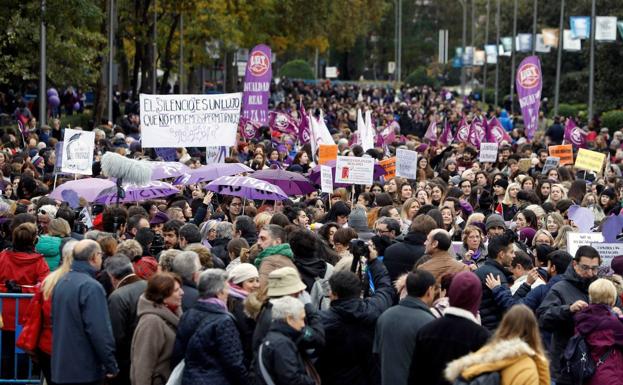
(390, 167)
(327, 153)
(564, 152)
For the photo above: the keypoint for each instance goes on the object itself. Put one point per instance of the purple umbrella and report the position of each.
(291, 183)
(165, 170)
(88, 188)
(211, 172)
(134, 193)
(314, 174)
(246, 187)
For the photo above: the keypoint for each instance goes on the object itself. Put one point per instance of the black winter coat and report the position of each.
(490, 313)
(400, 257)
(190, 294)
(349, 326)
(554, 316)
(282, 358)
(219, 249)
(208, 341)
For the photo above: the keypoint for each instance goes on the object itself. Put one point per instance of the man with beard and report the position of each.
(170, 233)
(564, 300)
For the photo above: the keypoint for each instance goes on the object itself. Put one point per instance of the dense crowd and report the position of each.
(463, 274)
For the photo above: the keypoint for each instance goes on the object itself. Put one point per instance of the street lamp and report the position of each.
(464, 38)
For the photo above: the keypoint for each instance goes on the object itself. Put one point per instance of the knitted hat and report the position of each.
(495, 220)
(358, 220)
(502, 183)
(465, 292)
(48, 210)
(455, 180)
(243, 272)
(466, 207)
(159, 218)
(284, 281)
(145, 267)
(609, 192)
(526, 235)
(617, 264)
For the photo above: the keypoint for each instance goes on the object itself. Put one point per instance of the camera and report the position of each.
(359, 249)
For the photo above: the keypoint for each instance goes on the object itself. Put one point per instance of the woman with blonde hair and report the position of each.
(261, 220)
(553, 223)
(409, 209)
(560, 242)
(557, 193)
(515, 353)
(473, 251)
(510, 203)
(542, 237)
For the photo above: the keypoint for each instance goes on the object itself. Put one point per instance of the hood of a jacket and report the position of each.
(573, 278)
(49, 246)
(349, 310)
(146, 306)
(311, 267)
(415, 238)
(592, 318)
(21, 258)
(495, 357)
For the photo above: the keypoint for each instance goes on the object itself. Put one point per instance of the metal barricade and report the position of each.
(15, 365)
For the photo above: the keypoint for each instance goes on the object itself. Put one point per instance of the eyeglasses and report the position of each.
(236, 204)
(584, 267)
(379, 231)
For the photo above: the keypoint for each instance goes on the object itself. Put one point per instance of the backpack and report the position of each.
(490, 378)
(576, 360)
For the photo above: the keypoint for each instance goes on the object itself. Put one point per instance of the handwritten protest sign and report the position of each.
(354, 170)
(327, 153)
(575, 240)
(189, 120)
(77, 153)
(590, 160)
(326, 179)
(564, 152)
(406, 163)
(550, 163)
(488, 152)
(607, 251)
(389, 165)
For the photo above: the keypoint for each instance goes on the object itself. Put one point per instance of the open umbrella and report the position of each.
(136, 193)
(165, 170)
(246, 187)
(88, 188)
(211, 172)
(314, 175)
(291, 183)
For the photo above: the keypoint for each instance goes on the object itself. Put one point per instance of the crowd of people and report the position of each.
(462, 274)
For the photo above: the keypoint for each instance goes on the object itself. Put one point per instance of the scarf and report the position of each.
(215, 301)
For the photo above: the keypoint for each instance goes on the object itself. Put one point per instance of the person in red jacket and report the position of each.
(21, 269)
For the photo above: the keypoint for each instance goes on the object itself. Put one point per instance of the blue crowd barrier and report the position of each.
(15, 365)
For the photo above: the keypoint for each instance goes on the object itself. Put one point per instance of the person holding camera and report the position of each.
(350, 322)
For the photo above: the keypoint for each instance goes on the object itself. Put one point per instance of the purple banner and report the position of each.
(257, 85)
(496, 133)
(476, 133)
(574, 134)
(529, 82)
(304, 126)
(446, 137)
(248, 129)
(283, 122)
(462, 131)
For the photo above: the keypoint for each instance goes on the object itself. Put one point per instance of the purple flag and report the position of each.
(574, 134)
(476, 133)
(431, 132)
(446, 137)
(257, 79)
(529, 83)
(496, 133)
(282, 122)
(462, 131)
(387, 135)
(304, 126)
(248, 129)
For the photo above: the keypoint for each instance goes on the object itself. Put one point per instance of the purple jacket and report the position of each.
(602, 329)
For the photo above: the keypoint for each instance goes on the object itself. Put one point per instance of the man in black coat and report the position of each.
(400, 257)
(565, 299)
(500, 255)
(397, 328)
(452, 336)
(349, 326)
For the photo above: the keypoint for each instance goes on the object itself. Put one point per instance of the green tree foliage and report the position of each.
(297, 69)
(612, 120)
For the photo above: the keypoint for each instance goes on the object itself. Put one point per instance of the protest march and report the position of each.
(313, 233)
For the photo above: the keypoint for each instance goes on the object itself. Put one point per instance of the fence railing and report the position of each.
(16, 367)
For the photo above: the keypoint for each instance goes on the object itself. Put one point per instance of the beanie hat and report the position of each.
(145, 267)
(455, 180)
(159, 218)
(48, 210)
(358, 220)
(609, 192)
(526, 235)
(243, 272)
(465, 292)
(502, 183)
(617, 264)
(466, 207)
(284, 281)
(495, 220)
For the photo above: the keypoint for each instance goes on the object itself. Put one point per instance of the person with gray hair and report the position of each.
(280, 361)
(83, 345)
(208, 339)
(224, 234)
(122, 305)
(131, 249)
(187, 265)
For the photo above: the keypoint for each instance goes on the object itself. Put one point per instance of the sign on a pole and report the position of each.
(575, 240)
(326, 179)
(354, 170)
(77, 153)
(391, 67)
(488, 152)
(330, 72)
(406, 163)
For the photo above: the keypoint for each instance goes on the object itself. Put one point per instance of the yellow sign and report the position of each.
(590, 160)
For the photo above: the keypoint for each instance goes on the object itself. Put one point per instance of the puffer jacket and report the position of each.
(50, 247)
(603, 331)
(516, 362)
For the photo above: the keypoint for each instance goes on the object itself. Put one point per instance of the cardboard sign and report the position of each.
(550, 163)
(406, 163)
(590, 160)
(525, 164)
(327, 153)
(575, 240)
(354, 170)
(389, 165)
(326, 179)
(607, 251)
(488, 152)
(77, 153)
(564, 152)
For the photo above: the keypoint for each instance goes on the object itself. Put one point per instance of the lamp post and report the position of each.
(591, 65)
(497, 42)
(464, 39)
(111, 37)
(43, 110)
(484, 81)
(513, 52)
(559, 58)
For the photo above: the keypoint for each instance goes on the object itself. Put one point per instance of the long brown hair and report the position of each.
(520, 322)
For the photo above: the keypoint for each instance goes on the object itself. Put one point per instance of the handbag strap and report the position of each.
(265, 375)
(604, 357)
